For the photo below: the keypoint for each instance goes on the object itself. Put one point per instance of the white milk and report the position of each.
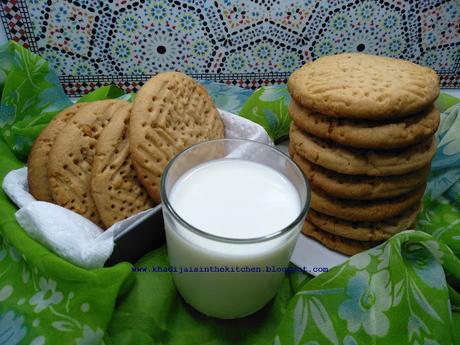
(237, 199)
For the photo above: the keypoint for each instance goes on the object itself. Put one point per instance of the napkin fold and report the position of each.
(80, 240)
(76, 238)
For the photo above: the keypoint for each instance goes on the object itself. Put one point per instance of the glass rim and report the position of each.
(165, 200)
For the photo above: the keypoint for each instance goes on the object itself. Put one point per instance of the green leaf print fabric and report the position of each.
(268, 106)
(393, 294)
(154, 313)
(31, 96)
(105, 92)
(43, 298)
(440, 215)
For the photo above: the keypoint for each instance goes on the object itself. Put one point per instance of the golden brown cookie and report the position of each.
(359, 161)
(115, 188)
(365, 231)
(362, 86)
(71, 158)
(366, 134)
(339, 244)
(37, 163)
(364, 210)
(171, 112)
(359, 186)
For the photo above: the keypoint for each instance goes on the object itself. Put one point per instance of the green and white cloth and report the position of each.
(402, 292)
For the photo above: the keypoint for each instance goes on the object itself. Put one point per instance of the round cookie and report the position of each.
(359, 186)
(358, 161)
(37, 164)
(362, 86)
(365, 134)
(115, 188)
(170, 113)
(364, 210)
(71, 157)
(365, 231)
(339, 244)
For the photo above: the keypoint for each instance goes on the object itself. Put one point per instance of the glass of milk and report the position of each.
(233, 210)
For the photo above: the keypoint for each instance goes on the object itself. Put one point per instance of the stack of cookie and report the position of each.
(104, 159)
(363, 133)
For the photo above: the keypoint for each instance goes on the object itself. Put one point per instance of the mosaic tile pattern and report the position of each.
(240, 42)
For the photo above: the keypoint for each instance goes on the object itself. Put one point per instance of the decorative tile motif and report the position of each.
(239, 42)
(66, 18)
(440, 25)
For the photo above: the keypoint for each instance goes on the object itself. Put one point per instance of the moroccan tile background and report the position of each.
(246, 43)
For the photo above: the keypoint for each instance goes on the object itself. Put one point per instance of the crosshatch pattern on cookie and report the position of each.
(38, 157)
(70, 159)
(170, 113)
(115, 188)
(364, 86)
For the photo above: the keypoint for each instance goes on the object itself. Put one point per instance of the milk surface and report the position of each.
(236, 199)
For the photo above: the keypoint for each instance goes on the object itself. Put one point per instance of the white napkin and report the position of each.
(74, 237)
(65, 232)
(237, 127)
